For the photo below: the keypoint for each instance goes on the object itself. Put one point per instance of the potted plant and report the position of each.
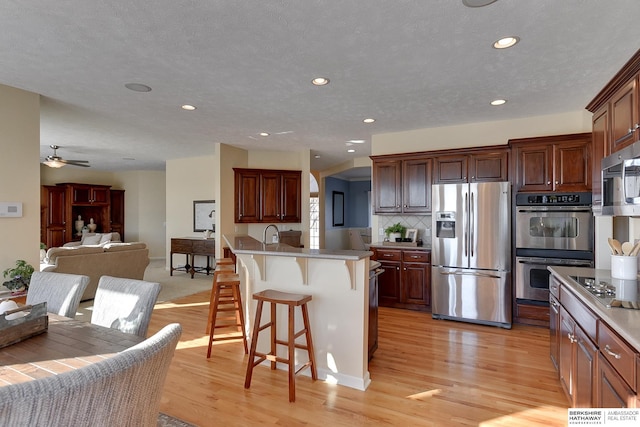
(395, 231)
(19, 276)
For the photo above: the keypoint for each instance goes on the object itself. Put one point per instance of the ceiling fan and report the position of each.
(56, 161)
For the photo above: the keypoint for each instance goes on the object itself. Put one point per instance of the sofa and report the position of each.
(117, 259)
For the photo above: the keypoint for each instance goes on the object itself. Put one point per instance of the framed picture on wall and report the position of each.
(338, 208)
(204, 215)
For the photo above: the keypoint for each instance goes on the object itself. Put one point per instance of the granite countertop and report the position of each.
(243, 244)
(399, 246)
(625, 321)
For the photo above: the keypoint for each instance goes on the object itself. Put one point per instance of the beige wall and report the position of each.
(20, 175)
(188, 179)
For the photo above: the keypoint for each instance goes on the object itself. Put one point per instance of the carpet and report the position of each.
(165, 420)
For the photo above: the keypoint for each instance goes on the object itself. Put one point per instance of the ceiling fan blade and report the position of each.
(82, 163)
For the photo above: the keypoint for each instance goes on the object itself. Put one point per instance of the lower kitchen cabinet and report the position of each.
(597, 368)
(406, 281)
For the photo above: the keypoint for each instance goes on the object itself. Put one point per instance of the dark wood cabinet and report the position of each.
(53, 227)
(402, 185)
(601, 147)
(625, 119)
(489, 165)
(554, 331)
(612, 390)
(373, 314)
(116, 209)
(267, 196)
(64, 202)
(559, 163)
(406, 281)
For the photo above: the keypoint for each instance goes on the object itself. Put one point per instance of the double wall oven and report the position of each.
(550, 229)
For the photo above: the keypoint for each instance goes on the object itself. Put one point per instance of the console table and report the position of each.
(192, 246)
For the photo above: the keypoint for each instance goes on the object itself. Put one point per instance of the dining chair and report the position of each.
(124, 304)
(62, 292)
(123, 390)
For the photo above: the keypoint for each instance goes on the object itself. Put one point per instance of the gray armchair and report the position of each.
(124, 304)
(123, 390)
(61, 292)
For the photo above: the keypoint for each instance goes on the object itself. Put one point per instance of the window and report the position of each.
(314, 226)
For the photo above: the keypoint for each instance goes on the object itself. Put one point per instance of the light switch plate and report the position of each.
(10, 209)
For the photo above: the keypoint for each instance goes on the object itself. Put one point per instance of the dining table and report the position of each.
(67, 344)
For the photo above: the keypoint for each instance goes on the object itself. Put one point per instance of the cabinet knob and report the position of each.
(557, 182)
(398, 268)
(548, 182)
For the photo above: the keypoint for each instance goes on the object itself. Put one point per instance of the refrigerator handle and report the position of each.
(468, 273)
(465, 224)
(472, 223)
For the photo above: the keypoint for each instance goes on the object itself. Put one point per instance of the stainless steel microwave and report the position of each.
(621, 182)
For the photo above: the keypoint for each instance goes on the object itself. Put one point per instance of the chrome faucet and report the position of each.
(264, 233)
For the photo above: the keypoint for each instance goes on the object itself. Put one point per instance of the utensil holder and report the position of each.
(624, 267)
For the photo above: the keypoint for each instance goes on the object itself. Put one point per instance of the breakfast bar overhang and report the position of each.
(338, 281)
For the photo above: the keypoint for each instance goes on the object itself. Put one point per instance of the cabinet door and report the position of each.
(99, 195)
(489, 167)
(389, 283)
(567, 326)
(586, 354)
(271, 196)
(387, 186)
(572, 162)
(534, 168)
(624, 115)
(80, 194)
(416, 179)
(416, 280)
(373, 316)
(247, 189)
(291, 197)
(55, 217)
(600, 147)
(116, 212)
(451, 169)
(612, 391)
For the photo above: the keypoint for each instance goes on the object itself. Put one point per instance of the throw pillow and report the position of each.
(91, 240)
(106, 238)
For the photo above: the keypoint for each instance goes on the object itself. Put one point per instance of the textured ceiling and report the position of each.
(247, 66)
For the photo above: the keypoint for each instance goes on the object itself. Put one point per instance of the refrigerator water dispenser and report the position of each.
(446, 225)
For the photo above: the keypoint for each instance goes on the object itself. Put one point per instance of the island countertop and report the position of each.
(243, 244)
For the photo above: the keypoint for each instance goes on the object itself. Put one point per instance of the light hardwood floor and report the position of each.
(424, 373)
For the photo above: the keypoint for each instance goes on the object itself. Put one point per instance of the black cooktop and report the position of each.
(611, 292)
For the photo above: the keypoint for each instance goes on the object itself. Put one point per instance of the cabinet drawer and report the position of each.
(618, 353)
(389, 255)
(206, 247)
(181, 246)
(416, 256)
(583, 316)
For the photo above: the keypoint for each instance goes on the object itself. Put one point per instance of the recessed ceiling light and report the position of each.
(137, 87)
(369, 120)
(188, 107)
(264, 134)
(506, 42)
(317, 156)
(320, 81)
(351, 150)
(477, 3)
(498, 102)
(356, 141)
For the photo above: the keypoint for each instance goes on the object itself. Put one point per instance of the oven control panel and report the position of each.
(554, 199)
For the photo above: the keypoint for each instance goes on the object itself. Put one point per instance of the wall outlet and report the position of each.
(380, 231)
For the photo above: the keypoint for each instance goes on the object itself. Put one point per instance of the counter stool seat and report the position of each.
(222, 268)
(226, 299)
(292, 301)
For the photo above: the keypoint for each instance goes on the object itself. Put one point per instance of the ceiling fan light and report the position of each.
(53, 163)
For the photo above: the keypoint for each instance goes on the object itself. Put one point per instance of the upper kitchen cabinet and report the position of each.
(553, 163)
(266, 195)
(469, 165)
(625, 122)
(601, 148)
(84, 194)
(402, 184)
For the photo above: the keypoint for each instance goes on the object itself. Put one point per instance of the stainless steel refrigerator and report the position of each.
(470, 255)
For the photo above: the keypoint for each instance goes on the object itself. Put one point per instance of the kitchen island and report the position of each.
(338, 281)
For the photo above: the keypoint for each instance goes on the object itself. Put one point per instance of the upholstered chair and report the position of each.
(61, 292)
(124, 304)
(123, 390)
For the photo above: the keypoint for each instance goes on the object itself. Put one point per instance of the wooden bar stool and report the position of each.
(224, 261)
(226, 298)
(292, 301)
(222, 268)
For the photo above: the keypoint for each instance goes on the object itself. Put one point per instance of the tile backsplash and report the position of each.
(421, 222)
